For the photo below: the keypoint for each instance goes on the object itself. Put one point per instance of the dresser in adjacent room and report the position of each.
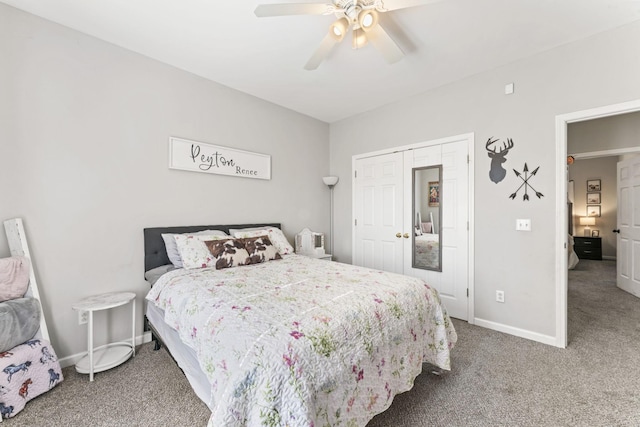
(588, 247)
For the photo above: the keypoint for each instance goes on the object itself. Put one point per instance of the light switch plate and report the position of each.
(523, 224)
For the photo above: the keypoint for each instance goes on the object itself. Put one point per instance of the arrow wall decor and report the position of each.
(525, 183)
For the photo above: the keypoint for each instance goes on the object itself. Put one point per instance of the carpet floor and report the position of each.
(496, 379)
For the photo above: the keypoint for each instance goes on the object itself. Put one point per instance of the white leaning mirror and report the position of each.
(427, 209)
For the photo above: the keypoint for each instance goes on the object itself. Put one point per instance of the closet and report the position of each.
(411, 213)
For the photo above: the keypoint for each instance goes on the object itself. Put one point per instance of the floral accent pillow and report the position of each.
(228, 253)
(276, 236)
(193, 251)
(260, 249)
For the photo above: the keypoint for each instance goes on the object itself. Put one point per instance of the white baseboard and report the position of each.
(609, 257)
(522, 333)
(74, 358)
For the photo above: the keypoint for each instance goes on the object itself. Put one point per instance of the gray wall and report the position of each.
(84, 128)
(593, 72)
(621, 131)
(603, 169)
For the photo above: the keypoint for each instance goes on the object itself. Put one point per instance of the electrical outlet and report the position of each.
(500, 296)
(83, 317)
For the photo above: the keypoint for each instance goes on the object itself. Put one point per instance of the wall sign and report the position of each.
(199, 157)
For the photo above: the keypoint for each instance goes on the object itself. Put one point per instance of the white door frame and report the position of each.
(470, 137)
(561, 203)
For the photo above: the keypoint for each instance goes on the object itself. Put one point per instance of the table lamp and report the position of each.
(587, 221)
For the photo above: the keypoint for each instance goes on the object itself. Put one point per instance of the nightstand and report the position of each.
(588, 247)
(326, 257)
(111, 355)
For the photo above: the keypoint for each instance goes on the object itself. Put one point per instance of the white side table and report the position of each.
(326, 257)
(111, 355)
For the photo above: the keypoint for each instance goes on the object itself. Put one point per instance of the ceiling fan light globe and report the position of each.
(359, 39)
(338, 29)
(368, 19)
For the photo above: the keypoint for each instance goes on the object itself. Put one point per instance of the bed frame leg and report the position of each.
(156, 342)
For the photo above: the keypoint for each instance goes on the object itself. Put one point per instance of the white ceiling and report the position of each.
(443, 42)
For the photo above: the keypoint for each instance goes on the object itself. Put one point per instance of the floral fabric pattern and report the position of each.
(193, 251)
(427, 250)
(305, 342)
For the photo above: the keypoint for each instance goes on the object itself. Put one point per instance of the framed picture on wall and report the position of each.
(593, 185)
(434, 193)
(593, 210)
(593, 198)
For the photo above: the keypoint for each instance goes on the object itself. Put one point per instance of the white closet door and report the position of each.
(379, 212)
(628, 250)
(452, 281)
(455, 234)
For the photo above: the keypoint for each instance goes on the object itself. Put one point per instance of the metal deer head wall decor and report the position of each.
(497, 172)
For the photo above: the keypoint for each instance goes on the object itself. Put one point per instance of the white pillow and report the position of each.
(172, 248)
(194, 252)
(233, 231)
(276, 236)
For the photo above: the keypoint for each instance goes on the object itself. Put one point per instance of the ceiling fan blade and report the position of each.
(327, 44)
(386, 5)
(282, 9)
(379, 38)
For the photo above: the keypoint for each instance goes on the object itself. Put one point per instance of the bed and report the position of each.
(294, 341)
(427, 251)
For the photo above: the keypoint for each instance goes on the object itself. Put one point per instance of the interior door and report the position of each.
(628, 241)
(452, 281)
(379, 212)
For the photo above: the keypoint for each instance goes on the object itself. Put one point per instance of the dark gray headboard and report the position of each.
(155, 253)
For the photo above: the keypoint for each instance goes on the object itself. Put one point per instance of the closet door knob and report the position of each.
(405, 235)
(398, 235)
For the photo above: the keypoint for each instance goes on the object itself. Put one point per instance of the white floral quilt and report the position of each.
(305, 342)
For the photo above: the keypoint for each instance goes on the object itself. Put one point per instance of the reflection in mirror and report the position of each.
(427, 236)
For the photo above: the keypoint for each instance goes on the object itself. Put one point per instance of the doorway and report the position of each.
(562, 123)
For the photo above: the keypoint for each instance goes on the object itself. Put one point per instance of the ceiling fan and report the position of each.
(359, 16)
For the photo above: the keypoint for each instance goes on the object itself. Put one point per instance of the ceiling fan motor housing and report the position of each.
(359, 16)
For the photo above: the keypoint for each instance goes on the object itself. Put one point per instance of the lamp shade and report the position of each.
(587, 220)
(368, 19)
(338, 29)
(330, 180)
